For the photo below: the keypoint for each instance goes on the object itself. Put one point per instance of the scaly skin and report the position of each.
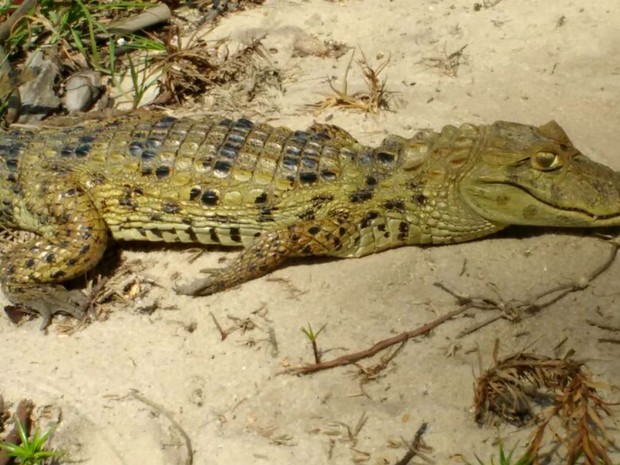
(275, 192)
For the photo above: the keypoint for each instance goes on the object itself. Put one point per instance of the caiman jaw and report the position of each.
(592, 219)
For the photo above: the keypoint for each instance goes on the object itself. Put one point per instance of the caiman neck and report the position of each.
(432, 165)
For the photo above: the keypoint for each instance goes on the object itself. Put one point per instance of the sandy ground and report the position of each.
(524, 61)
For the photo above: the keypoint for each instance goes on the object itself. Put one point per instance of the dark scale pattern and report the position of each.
(194, 193)
(371, 181)
(233, 138)
(222, 168)
(360, 195)
(210, 198)
(82, 150)
(235, 234)
(171, 207)
(165, 123)
(213, 236)
(149, 155)
(136, 148)
(262, 198)
(419, 199)
(162, 171)
(368, 217)
(59, 274)
(192, 235)
(395, 205)
(265, 215)
(67, 152)
(307, 215)
(308, 177)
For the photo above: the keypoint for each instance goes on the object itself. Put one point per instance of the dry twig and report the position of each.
(189, 460)
(514, 310)
(375, 349)
(416, 445)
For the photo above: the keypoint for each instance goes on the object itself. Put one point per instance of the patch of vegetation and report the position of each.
(31, 449)
(118, 41)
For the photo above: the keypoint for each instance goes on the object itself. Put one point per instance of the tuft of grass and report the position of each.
(32, 450)
(312, 337)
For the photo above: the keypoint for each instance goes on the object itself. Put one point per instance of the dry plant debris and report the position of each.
(373, 100)
(448, 63)
(342, 433)
(416, 447)
(197, 67)
(110, 41)
(557, 395)
(516, 309)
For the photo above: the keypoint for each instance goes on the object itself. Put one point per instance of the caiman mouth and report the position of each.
(586, 213)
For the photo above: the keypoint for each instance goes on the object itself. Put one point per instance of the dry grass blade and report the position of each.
(373, 100)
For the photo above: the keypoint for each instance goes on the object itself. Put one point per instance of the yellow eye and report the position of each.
(546, 161)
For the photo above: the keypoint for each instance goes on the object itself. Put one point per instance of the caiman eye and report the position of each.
(546, 161)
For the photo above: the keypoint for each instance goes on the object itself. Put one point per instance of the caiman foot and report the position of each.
(264, 255)
(47, 300)
(269, 250)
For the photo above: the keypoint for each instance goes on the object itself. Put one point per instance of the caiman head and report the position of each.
(529, 175)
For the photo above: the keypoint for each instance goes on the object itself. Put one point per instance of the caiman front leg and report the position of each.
(71, 239)
(332, 236)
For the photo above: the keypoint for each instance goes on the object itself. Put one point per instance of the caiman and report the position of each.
(278, 193)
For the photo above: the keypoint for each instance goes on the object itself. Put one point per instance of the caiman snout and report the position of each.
(539, 178)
